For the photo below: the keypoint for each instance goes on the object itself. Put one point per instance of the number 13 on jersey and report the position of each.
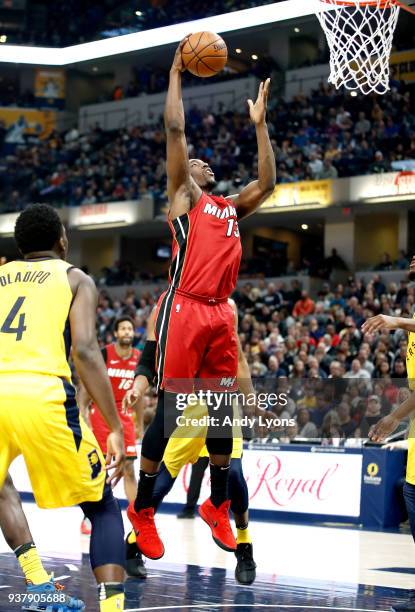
(233, 228)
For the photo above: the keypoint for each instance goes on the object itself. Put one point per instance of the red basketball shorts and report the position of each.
(196, 342)
(101, 432)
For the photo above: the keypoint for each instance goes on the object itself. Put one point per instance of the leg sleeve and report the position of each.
(409, 495)
(107, 536)
(238, 489)
(164, 484)
(198, 471)
(154, 441)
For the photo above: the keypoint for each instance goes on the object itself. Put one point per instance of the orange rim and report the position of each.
(410, 9)
(383, 4)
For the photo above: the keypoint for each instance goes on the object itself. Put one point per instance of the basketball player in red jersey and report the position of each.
(194, 323)
(121, 360)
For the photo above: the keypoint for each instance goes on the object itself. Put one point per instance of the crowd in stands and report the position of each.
(71, 22)
(152, 79)
(77, 21)
(321, 136)
(339, 381)
(387, 263)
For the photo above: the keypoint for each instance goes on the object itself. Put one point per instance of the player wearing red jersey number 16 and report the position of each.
(195, 330)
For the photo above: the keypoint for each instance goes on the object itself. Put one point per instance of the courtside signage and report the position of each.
(310, 483)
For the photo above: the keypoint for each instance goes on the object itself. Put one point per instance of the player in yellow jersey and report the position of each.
(182, 450)
(48, 306)
(386, 426)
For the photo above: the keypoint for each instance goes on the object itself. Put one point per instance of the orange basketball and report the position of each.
(204, 54)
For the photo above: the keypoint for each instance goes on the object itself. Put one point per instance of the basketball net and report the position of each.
(359, 35)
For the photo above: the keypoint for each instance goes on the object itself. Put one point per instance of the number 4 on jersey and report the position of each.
(7, 328)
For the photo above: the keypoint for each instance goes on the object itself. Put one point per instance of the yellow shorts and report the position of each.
(237, 449)
(180, 451)
(39, 419)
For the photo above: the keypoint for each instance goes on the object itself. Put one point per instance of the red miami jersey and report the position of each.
(121, 374)
(120, 371)
(207, 250)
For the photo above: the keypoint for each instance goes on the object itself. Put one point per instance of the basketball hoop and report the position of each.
(359, 34)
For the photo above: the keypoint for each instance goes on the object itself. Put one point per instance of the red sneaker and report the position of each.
(147, 538)
(218, 521)
(86, 527)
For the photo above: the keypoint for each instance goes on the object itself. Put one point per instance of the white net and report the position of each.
(359, 36)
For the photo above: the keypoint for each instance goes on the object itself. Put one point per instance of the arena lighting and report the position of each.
(238, 20)
(95, 226)
(385, 199)
(280, 208)
(304, 226)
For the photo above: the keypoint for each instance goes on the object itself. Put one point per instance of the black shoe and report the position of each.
(245, 569)
(134, 561)
(406, 606)
(186, 513)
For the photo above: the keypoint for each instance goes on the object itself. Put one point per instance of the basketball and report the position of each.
(205, 54)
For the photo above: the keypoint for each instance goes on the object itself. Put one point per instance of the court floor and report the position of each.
(299, 567)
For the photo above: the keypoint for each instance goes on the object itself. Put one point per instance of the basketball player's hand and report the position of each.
(383, 428)
(379, 323)
(178, 60)
(115, 457)
(130, 399)
(258, 110)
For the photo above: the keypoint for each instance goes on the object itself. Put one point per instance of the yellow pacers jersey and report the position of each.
(39, 416)
(410, 369)
(35, 298)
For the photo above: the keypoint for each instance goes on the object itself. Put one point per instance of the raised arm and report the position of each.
(182, 190)
(254, 194)
(383, 322)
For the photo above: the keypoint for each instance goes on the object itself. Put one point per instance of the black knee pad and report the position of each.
(107, 537)
(219, 446)
(108, 504)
